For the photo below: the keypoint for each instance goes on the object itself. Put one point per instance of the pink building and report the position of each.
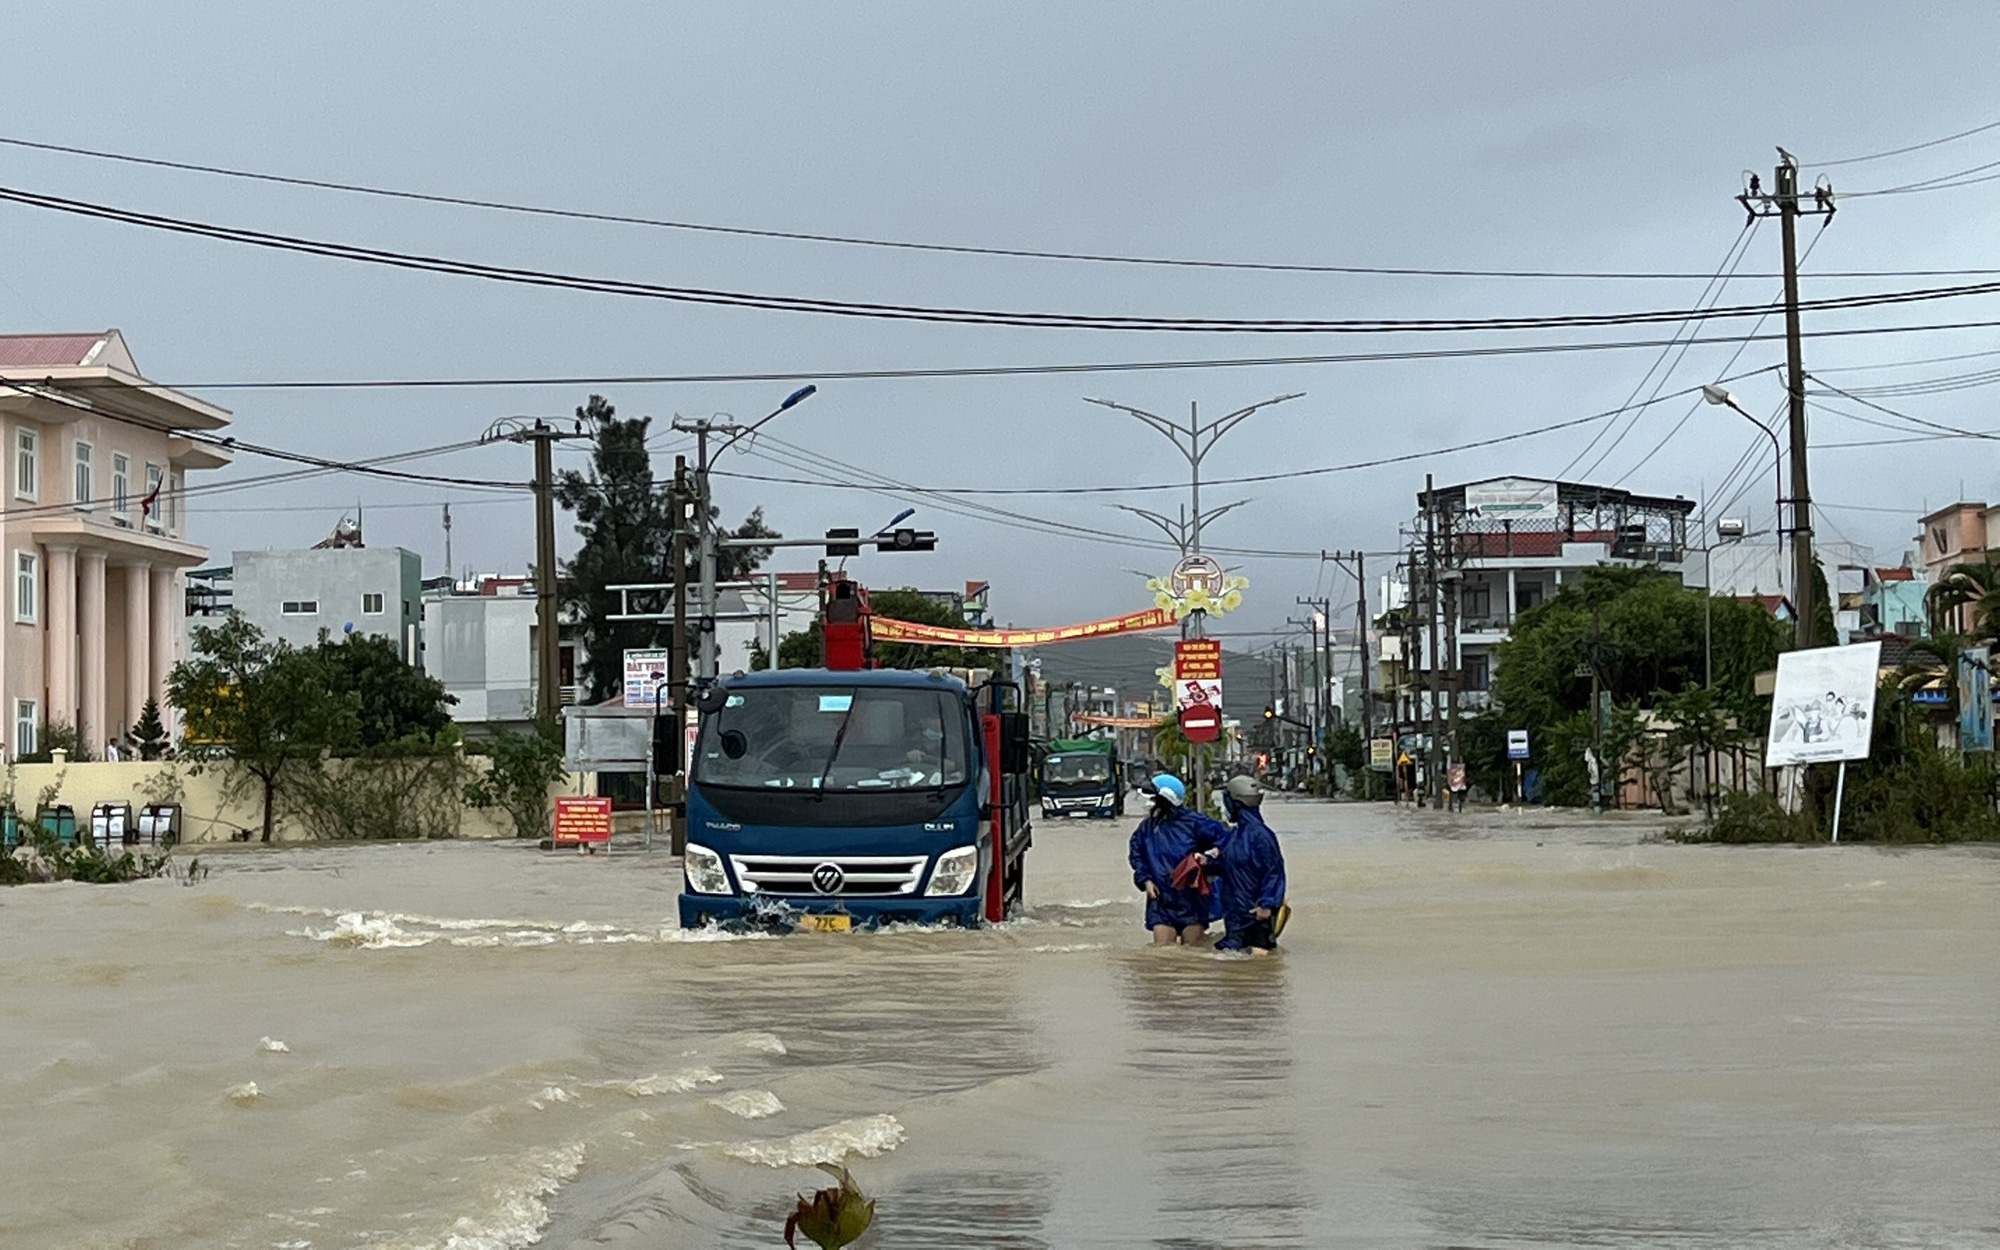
(94, 524)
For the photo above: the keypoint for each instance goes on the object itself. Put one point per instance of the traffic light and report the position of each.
(906, 540)
(845, 542)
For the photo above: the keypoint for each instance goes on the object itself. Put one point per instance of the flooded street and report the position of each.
(1496, 1029)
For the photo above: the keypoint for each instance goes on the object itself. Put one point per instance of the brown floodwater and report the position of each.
(1492, 1030)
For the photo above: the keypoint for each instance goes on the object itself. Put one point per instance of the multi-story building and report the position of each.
(1503, 545)
(1960, 533)
(479, 638)
(94, 522)
(336, 588)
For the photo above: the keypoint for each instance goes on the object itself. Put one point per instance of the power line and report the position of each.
(951, 315)
(1904, 151)
(1247, 479)
(974, 371)
(801, 236)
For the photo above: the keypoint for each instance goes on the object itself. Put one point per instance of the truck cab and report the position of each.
(835, 798)
(1082, 777)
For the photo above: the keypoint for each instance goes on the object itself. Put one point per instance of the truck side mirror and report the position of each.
(711, 699)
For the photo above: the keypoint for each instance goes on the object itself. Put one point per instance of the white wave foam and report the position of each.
(550, 1094)
(271, 1045)
(749, 1104)
(1061, 948)
(518, 1211)
(763, 1043)
(713, 933)
(684, 1081)
(243, 1095)
(868, 1137)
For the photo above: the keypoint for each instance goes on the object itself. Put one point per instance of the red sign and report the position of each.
(1198, 659)
(1201, 722)
(582, 821)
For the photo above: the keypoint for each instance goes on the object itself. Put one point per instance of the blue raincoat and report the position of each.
(1159, 844)
(1250, 872)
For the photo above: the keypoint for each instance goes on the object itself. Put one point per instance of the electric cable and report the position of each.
(953, 315)
(502, 206)
(1903, 151)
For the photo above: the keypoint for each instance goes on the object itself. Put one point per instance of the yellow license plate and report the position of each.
(815, 923)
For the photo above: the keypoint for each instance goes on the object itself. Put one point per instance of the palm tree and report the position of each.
(1974, 586)
(1933, 662)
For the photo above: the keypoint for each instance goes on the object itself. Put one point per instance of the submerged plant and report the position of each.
(832, 1217)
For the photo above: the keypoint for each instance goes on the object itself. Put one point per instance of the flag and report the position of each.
(152, 497)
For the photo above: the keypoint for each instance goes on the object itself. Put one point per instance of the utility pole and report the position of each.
(679, 499)
(447, 547)
(705, 551)
(1784, 205)
(1434, 668)
(1449, 557)
(548, 643)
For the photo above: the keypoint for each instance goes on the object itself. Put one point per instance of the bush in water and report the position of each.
(832, 1217)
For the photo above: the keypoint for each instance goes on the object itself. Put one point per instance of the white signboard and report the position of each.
(1517, 744)
(1823, 707)
(1188, 692)
(1512, 499)
(645, 669)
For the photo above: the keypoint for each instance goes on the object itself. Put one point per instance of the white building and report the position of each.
(95, 528)
(1506, 544)
(296, 595)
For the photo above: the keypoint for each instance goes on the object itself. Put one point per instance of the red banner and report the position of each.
(887, 629)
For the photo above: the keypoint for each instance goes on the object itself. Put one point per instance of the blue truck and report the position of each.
(838, 798)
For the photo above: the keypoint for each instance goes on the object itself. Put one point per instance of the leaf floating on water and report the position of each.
(832, 1217)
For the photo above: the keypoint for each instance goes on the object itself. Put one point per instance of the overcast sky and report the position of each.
(1587, 136)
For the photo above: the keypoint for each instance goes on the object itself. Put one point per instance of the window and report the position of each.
(27, 581)
(1478, 670)
(154, 476)
(27, 481)
(301, 607)
(1527, 595)
(174, 485)
(1476, 601)
(371, 605)
(25, 725)
(121, 491)
(82, 474)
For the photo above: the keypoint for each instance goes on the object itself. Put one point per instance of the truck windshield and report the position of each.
(840, 739)
(1074, 769)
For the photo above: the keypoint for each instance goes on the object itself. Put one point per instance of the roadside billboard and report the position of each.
(1823, 705)
(1975, 699)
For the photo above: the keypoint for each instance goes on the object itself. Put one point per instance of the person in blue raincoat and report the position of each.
(1169, 842)
(1250, 871)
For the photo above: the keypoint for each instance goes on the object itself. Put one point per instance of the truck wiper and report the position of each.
(839, 736)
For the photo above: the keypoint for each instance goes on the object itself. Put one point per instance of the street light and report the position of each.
(1723, 399)
(701, 429)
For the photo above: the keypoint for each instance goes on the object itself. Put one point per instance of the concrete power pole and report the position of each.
(548, 642)
(1783, 204)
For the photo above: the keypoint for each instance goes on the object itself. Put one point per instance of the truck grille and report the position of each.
(850, 876)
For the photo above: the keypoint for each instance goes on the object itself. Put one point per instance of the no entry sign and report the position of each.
(1201, 722)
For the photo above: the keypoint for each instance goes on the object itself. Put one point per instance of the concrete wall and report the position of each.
(480, 647)
(335, 578)
(206, 817)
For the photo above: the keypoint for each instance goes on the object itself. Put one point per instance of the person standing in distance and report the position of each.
(1251, 871)
(1162, 847)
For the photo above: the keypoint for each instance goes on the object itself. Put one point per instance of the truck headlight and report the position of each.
(705, 874)
(955, 871)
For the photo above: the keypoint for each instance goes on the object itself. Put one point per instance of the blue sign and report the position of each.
(1930, 698)
(1517, 744)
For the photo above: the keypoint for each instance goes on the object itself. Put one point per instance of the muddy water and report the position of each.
(1490, 1030)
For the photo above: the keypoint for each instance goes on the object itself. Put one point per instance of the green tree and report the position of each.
(258, 709)
(149, 732)
(521, 770)
(393, 701)
(58, 735)
(627, 525)
(1974, 586)
(1641, 632)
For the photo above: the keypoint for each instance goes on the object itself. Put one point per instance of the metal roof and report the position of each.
(50, 351)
